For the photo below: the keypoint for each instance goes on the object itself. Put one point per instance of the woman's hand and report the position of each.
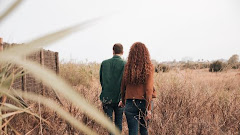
(120, 104)
(148, 115)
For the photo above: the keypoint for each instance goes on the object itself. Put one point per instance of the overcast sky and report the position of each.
(171, 29)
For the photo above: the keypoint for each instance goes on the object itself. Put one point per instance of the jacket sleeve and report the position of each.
(100, 75)
(123, 91)
(149, 90)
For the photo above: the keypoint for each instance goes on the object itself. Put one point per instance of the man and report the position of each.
(111, 72)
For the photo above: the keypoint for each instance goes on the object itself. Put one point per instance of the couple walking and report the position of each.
(128, 87)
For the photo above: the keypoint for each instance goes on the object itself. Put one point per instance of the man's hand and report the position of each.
(149, 115)
(120, 104)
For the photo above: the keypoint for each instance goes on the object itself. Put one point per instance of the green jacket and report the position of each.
(111, 72)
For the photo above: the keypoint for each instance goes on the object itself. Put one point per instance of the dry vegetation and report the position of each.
(188, 102)
(197, 102)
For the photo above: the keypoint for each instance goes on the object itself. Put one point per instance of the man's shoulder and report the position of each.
(123, 62)
(119, 61)
(106, 61)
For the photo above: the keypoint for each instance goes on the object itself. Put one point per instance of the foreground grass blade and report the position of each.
(15, 54)
(26, 110)
(52, 80)
(41, 42)
(13, 98)
(3, 116)
(10, 9)
(6, 122)
(54, 106)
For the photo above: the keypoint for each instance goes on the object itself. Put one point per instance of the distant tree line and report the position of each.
(215, 66)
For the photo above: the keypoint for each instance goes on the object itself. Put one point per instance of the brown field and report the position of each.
(190, 99)
(188, 102)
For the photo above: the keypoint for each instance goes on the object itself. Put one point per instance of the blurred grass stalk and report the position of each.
(51, 105)
(10, 9)
(15, 54)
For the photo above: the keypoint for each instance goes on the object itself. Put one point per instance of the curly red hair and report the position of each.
(138, 66)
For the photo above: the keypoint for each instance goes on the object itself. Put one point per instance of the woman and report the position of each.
(137, 88)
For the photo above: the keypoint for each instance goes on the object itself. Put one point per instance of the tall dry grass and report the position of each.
(188, 102)
(15, 55)
(197, 102)
(79, 73)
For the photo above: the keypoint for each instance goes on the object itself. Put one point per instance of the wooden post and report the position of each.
(57, 62)
(24, 82)
(42, 57)
(42, 63)
(3, 98)
(1, 44)
(24, 78)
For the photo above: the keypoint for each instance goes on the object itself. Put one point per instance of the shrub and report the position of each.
(204, 65)
(234, 59)
(236, 66)
(162, 68)
(216, 66)
(79, 74)
(190, 65)
(194, 65)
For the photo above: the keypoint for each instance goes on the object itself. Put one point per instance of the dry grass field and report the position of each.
(188, 102)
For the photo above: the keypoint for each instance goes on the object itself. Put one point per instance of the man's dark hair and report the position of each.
(118, 48)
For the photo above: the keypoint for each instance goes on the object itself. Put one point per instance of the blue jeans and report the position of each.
(135, 111)
(118, 113)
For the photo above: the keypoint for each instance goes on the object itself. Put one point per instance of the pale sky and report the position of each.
(171, 29)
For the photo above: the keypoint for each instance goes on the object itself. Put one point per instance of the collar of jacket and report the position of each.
(116, 56)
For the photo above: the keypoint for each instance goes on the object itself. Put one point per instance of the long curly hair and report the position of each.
(138, 66)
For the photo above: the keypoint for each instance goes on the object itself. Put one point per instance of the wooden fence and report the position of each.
(46, 58)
